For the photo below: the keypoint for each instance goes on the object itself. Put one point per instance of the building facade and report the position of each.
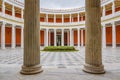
(58, 27)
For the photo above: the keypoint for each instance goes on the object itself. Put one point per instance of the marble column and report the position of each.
(3, 6)
(31, 62)
(3, 36)
(93, 50)
(78, 37)
(62, 37)
(71, 37)
(13, 36)
(49, 38)
(13, 11)
(46, 37)
(54, 37)
(82, 44)
(113, 35)
(104, 36)
(22, 35)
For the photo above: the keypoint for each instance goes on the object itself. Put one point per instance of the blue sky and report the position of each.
(58, 4)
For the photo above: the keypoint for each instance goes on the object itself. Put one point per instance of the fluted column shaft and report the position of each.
(31, 64)
(3, 36)
(13, 36)
(93, 50)
(22, 35)
(62, 37)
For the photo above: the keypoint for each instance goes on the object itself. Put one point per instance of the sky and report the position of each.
(61, 4)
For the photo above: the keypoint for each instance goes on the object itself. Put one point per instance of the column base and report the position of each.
(31, 70)
(94, 69)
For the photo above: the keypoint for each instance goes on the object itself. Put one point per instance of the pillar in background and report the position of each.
(31, 64)
(93, 50)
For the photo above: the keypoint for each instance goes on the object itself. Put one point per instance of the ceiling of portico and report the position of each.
(8, 6)
(117, 3)
(108, 7)
(17, 10)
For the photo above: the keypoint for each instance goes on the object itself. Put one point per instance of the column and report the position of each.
(31, 62)
(22, 13)
(46, 37)
(54, 37)
(113, 35)
(104, 36)
(3, 36)
(62, 18)
(13, 11)
(71, 37)
(70, 18)
(62, 37)
(13, 36)
(93, 49)
(104, 11)
(78, 17)
(68, 39)
(47, 18)
(54, 18)
(82, 44)
(3, 6)
(113, 7)
(22, 35)
(78, 37)
(49, 38)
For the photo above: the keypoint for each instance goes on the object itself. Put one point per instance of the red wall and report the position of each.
(75, 37)
(8, 12)
(18, 36)
(52, 38)
(42, 19)
(118, 35)
(108, 36)
(58, 20)
(18, 15)
(50, 20)
(117, 9)
(42, 38)
(0, 35)
(108, 12)
(8, 36)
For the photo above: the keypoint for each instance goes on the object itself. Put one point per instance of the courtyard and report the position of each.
(59, 65)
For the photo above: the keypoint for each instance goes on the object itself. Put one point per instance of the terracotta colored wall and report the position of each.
(83, 18)
(58, 20)
(52, 38)
(18, 36)
(75, 37)
(50, 20)
(108, 12)
(65, 38)
(66, 19)
(42, 38)
(118, 35)
(109, 36)
(8, 12)
(84, 37)
(0, 35)
(0, 9)
(8, 36)
(18, 15)
(75, 19)
(117, 9)
(42, 19)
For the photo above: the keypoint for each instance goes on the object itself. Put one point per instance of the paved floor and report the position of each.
(59, 66)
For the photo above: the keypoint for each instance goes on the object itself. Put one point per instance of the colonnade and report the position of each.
(13, 41)
(70, 36)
